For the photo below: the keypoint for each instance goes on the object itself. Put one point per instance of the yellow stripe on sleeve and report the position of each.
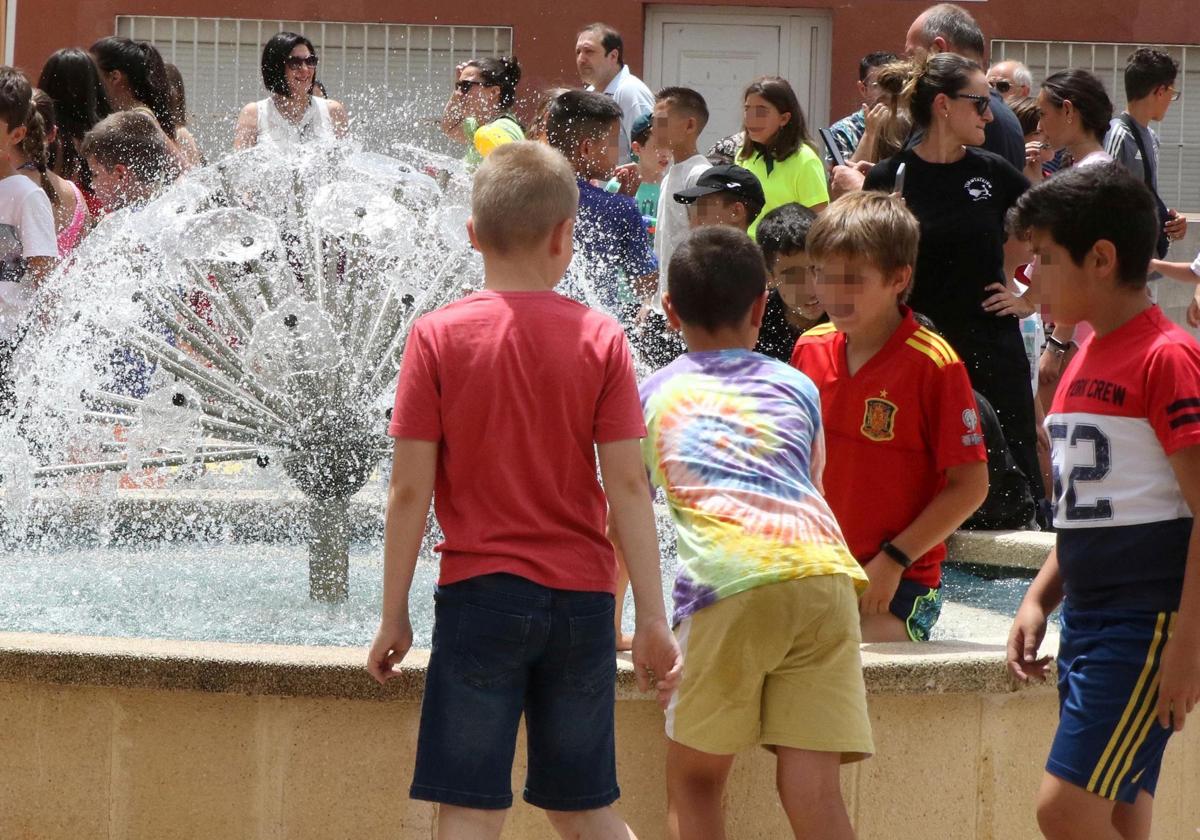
(935, 355)
(939, 342)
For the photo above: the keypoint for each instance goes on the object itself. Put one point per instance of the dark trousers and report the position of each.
(999, 369)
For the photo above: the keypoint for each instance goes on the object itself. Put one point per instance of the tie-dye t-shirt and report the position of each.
(734, 439)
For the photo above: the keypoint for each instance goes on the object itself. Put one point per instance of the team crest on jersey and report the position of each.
(971, 421)
(879, 419)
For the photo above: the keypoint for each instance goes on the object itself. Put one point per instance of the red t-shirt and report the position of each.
(891, 430)
(516, 388)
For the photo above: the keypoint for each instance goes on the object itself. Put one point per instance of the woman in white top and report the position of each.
(291, 114)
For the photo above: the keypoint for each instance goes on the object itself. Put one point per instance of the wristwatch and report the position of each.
(896, 554)
(1059, 347)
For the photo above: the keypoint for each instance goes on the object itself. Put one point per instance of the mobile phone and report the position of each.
(898, 189)
(834, 152)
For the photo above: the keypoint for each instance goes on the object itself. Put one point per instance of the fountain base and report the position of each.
(329, 549)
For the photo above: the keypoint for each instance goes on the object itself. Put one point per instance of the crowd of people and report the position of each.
(943, 315)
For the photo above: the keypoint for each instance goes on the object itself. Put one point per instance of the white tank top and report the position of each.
(274, 127)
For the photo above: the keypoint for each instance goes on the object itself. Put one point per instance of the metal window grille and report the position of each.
(1179, 155)
(393, 78)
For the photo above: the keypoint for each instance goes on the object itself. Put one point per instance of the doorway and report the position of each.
(718, 50)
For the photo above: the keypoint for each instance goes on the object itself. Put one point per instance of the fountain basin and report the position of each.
(124, 738)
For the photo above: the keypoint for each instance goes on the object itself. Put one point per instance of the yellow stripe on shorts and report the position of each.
(1149, 717)
(1124, 732)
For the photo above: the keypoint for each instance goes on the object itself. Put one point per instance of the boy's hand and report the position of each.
(1179, 690)
(883, 574)
(389, 648)
(656, 652)
(1028, 630)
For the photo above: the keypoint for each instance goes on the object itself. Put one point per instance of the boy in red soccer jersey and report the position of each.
(906, 461)
(504, 399)
(1125, 445)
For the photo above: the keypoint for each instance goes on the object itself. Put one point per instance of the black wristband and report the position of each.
(896, 554)
(1059, 346)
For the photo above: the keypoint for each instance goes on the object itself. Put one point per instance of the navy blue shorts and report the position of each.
(503, 646)
(1109, 741)
(918, 606)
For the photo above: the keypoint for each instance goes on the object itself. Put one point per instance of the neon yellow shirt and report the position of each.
(510, 130)
(799, 178)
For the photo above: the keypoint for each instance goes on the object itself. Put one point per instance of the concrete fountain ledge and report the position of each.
(335, 672)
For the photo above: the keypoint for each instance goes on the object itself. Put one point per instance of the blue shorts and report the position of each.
(918, 606)
(1109, 741)
(503, 646)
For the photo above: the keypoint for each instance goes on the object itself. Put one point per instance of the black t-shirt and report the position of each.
(961, 207)
(777, 337)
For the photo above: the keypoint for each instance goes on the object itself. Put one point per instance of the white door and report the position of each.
(719, 50)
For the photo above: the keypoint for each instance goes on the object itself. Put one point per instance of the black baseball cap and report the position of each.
(740, 182)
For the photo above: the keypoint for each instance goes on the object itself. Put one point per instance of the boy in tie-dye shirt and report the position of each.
(766, 601)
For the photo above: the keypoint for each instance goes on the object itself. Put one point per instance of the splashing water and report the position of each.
(255, 312)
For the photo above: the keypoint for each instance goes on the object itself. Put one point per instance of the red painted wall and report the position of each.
(544, 30)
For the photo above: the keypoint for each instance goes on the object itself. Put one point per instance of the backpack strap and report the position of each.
(1128, 122)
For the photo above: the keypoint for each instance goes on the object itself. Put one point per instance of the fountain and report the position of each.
(255, 311)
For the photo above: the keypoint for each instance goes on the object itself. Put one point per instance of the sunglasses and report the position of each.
(1175, 94)
(295, 62)
(464, 86)
(982, 103)
(1000, 85)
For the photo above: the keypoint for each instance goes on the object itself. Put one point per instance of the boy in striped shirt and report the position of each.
(1125, 439)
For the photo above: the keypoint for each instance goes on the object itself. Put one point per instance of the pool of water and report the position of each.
(259, 593)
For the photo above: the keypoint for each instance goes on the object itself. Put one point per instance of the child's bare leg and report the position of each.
(883, 628)
(599, 824)
(695, 783)
(1133, 821)
(1068, 812)
(810, 789)
(455, 823)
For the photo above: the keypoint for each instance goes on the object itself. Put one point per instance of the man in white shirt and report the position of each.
(600, 59)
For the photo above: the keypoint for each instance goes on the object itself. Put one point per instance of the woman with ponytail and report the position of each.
(291, 114)
(961, 195)
(70, 208)
(479, 112)
(135, 78)
(72, 80)
(28, 245)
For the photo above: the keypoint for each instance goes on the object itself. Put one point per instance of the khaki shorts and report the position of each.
(777, 665)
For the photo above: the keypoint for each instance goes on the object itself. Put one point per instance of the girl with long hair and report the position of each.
(778, 150)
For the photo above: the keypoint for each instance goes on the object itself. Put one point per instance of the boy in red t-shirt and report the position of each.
(503, 399)
(906, 461)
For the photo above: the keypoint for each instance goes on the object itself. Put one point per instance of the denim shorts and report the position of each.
(503, 646)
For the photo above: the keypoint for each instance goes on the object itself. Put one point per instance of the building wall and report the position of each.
(545, 31)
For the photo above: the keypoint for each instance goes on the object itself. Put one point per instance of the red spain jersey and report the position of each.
(891, 432)
(1127, 401)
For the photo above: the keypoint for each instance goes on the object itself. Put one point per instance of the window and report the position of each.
(1179, 156)
(393, 78)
